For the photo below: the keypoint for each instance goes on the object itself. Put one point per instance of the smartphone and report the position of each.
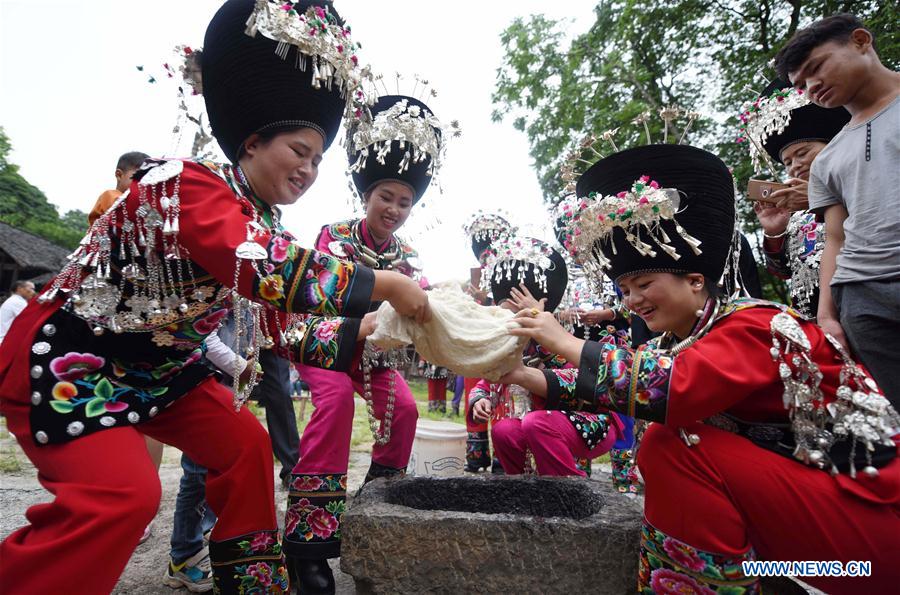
(761, 190)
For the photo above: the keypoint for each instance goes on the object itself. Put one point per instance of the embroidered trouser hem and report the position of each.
(251, 563)
(315, 510)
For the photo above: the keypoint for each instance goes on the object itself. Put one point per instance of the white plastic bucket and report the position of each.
(439, 449)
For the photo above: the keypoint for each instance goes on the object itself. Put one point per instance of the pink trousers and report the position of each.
(552, 440)
(325, 444)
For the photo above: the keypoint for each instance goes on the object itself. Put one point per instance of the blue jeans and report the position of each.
(193, 517)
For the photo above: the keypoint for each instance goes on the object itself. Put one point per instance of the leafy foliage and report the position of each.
(24, 206)
(708, 56)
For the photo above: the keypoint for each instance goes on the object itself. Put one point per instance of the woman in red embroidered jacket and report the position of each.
(111, 350)
(395, 149)
(768, 440)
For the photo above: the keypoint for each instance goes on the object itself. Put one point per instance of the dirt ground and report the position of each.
(19, 489)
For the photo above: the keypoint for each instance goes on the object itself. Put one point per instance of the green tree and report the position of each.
(708, 56)
(24, 206)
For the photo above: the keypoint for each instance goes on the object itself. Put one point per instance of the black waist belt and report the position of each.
(779, 438)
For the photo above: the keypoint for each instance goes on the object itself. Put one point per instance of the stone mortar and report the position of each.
(491, 534)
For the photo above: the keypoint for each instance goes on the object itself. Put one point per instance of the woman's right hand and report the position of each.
(407, 297)
(481, 411)
(772, 219)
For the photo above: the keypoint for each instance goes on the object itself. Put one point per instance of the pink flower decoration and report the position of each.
(261, 541)
(644, 179)
(663, 580)
(75, 366)
(320, 12)
(262, 573)
(322, 523)
(340, 49)
(355, 60)
(643, 201)
(621, 194)
(210, 322)
(115, 406)
(286, 7)
(326, 331)
(683, 555)
(307, 483)
(279, 249)
(654, 184)
(621, 210)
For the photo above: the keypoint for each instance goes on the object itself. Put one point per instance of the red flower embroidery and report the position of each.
(75, 366)
(307, 483)
(663, 580)
(322, 523)
(683, 555)
(210, 322)
(261, 542)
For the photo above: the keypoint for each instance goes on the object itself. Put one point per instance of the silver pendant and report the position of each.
(337, 248)
(162, 173)
(250, 250)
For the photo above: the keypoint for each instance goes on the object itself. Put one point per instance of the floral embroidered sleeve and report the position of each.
(717, 373)
(634, 382)
(481, 390)
(328, 343)
(217, 230)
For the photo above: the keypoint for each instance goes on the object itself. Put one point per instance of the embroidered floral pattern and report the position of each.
(249, 565)
(81, 383)
(617, 387)
(624, 471)
(75, 366)
(261, 578)
(668, 565)
(316, 506)
(187, 335)
(322, 341)
(477, 453)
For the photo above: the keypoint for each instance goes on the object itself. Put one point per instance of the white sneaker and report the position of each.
(195, 573)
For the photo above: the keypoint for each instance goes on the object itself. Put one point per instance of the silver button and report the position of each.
(40, 348)
(75, 428)
(41, 437)
(49, 330)
(133, 417)
(108, 421)
(153, 411)
(36, 372)
(36, 398)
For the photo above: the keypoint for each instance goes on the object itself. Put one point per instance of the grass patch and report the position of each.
(8, 462)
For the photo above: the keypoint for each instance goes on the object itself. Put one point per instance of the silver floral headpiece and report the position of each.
(489, 226)
(420, 134)
(322, 43)
(765, 117)
(638, 212)
(515, 254)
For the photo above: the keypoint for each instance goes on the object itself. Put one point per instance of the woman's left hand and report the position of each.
(794, 198)
(367, 326)
(522, 299)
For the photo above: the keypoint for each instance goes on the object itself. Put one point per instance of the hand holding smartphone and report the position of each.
(761, 190)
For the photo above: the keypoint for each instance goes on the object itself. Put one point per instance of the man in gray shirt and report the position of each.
(854, 185)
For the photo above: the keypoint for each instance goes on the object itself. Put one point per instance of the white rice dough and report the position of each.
(470, 339)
